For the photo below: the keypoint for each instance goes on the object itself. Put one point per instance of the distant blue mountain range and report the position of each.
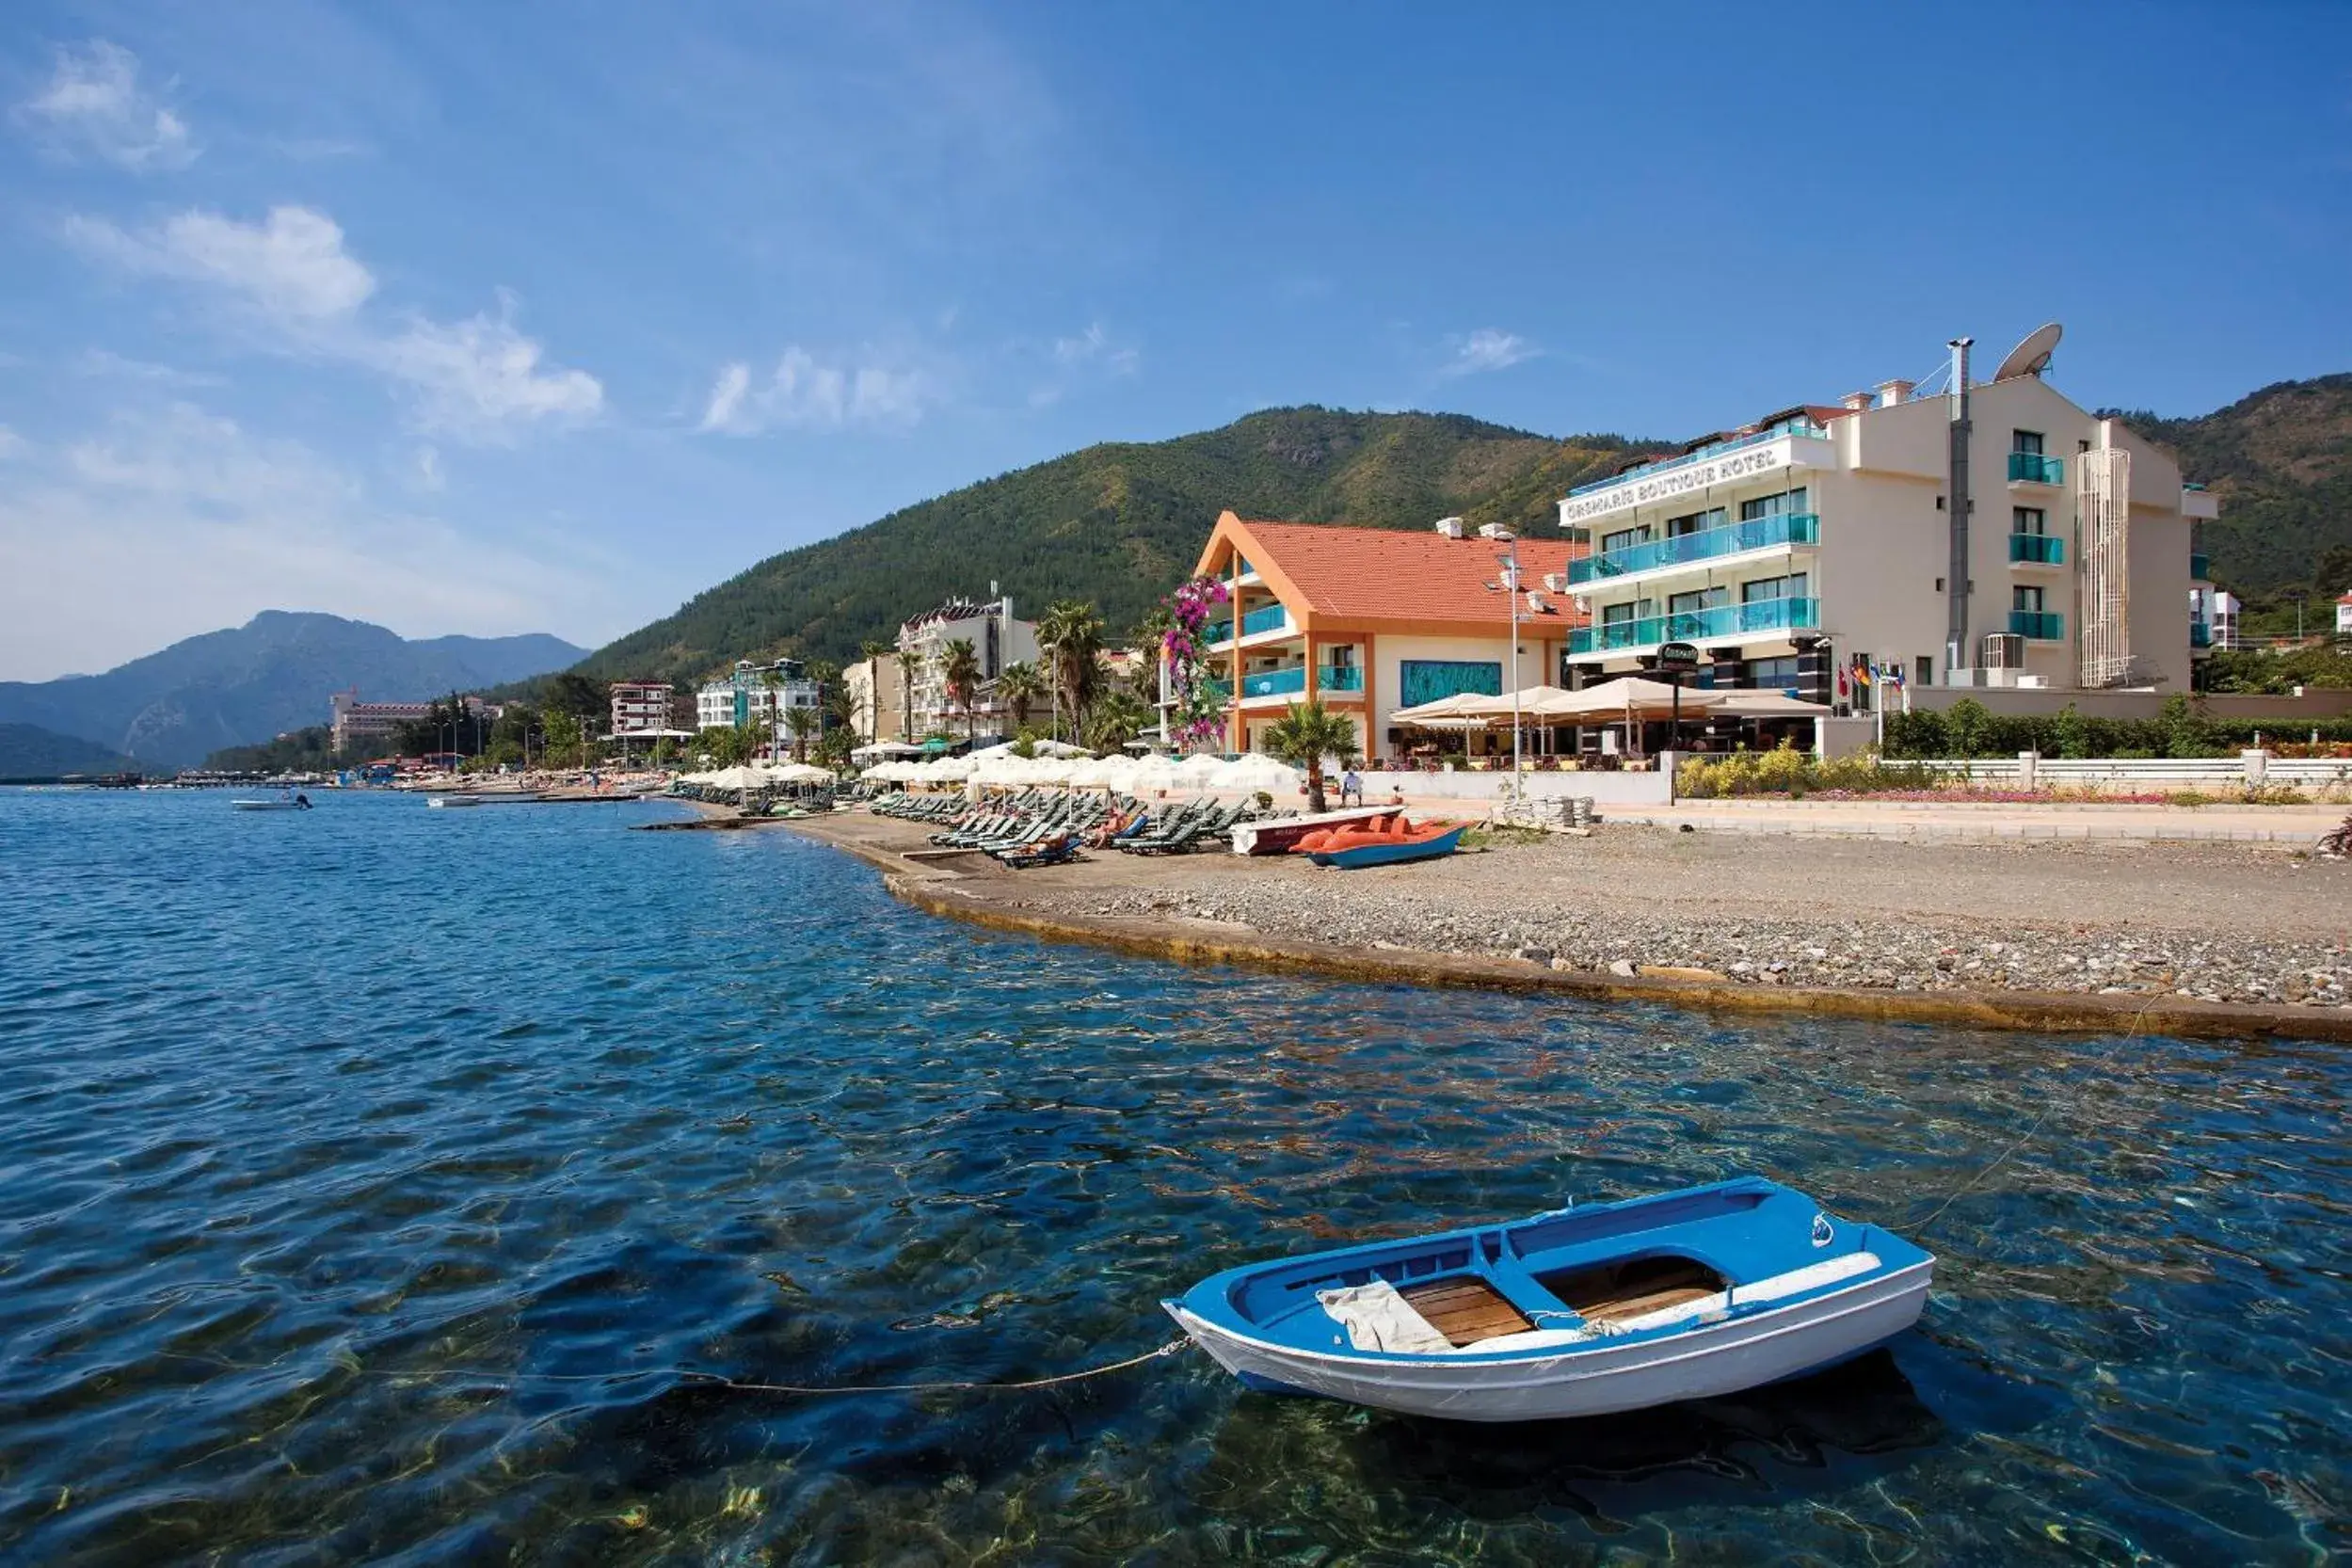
(254, 682)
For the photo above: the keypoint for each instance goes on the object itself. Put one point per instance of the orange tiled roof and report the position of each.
(1376, 574)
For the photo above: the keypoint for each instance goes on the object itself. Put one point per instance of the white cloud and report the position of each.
(174, 521)
(481, 376)
(1094, 347)
(291, 275)
(1487, 349)
(428, 470)
(291, 266)
(94, 106)
(804, 392)
(104, 362)
(1092, 352)
(12, 446)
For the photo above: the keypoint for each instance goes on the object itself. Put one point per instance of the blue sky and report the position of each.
(498, 318)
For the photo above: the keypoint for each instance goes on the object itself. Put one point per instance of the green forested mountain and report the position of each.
(2280, 463)
(29, 751)
(275, 673)
(1119, 524)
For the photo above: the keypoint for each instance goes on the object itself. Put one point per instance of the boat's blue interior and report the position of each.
(1730, 1234)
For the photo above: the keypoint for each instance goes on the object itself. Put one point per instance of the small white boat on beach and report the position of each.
(1579, 1312)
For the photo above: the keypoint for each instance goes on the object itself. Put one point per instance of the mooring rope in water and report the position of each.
(719, 1379)
(2048, 1111)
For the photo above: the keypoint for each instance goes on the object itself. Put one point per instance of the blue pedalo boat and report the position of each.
(1578, 1312)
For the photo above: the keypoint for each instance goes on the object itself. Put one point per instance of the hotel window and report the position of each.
(1617, 614)
(2026, 599)
(2025, 440)
(1769, 674)
(1923, 671)
(2028, 520)
(1786, 502)
(1701, 598)
(1795, 586)
(1694, 522)
(1625, 538)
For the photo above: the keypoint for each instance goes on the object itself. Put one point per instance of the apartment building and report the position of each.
(998, 639)
(640, 709)
(1824, 535)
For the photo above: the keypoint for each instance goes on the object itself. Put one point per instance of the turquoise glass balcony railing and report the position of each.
(2032, 468)
(2046, 550)
(2201, 633)
(1724, 621)
(2200, 567)
(1329, 679)
(1222, 690)
(2044, 626)
(1289, 682)
(1754, 534)
(1271, 619)
(1218, 631)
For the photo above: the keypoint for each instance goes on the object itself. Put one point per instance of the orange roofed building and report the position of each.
(1368, 620)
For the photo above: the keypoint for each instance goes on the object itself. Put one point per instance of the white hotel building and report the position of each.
(1823, 535)
(749, 694)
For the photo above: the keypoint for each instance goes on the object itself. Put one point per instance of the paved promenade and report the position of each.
(2272, 824)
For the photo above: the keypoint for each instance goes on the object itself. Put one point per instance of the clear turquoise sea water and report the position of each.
(364, 1173)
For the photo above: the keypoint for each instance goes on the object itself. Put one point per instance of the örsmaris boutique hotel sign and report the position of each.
(1674, 482)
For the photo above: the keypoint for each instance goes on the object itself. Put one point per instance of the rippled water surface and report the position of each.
(369, 1175)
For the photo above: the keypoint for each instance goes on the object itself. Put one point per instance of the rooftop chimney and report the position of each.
(1856, 402)
(1450, 527)
(1891, 392)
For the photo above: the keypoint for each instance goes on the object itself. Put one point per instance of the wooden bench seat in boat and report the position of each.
(1465, 1309)
(1615, 1291)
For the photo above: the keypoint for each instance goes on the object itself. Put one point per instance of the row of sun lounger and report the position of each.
(1043, 827)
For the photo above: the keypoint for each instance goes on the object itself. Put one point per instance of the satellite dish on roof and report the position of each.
(2032, 357)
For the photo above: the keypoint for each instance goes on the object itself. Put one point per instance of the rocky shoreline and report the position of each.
(1911, 956)
(2042, 936)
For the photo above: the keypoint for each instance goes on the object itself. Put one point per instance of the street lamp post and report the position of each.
(1510, 561)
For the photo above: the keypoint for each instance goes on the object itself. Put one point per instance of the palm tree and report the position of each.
(909, 661)
(1147, 643)
(1303, 737)
(870, 652)
(959, 666)
(771, 678)
(1020, 686)
(1071, 635)
(1118, 717)
(802, 722)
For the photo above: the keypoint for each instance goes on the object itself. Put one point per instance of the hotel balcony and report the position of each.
(2201, 633)
(1763, 620)
(2036, 549)
(1271, 617)
(2200, 567)
(2032, 468)
(1741, 458)
(2041, 626)
(1289, 684)
(1785, 531)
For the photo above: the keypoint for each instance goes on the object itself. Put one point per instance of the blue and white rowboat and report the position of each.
(1579, 1312)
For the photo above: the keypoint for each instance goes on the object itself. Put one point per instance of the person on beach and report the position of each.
(1350, 787)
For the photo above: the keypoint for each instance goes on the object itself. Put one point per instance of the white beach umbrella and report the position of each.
(1201, 768)
(1152, 773)
(801, 773)
(1254, 772)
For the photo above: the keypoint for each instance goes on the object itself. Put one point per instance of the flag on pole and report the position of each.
(1862, 672)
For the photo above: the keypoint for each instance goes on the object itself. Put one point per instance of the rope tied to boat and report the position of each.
(2049, 1109)
(715, 1380)
(1171, 1348)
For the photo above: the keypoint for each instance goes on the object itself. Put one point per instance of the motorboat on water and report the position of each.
(1581, 1311)
(297, 803)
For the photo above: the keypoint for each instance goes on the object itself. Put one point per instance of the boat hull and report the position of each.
(1598, 1379)
(1389, 855)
